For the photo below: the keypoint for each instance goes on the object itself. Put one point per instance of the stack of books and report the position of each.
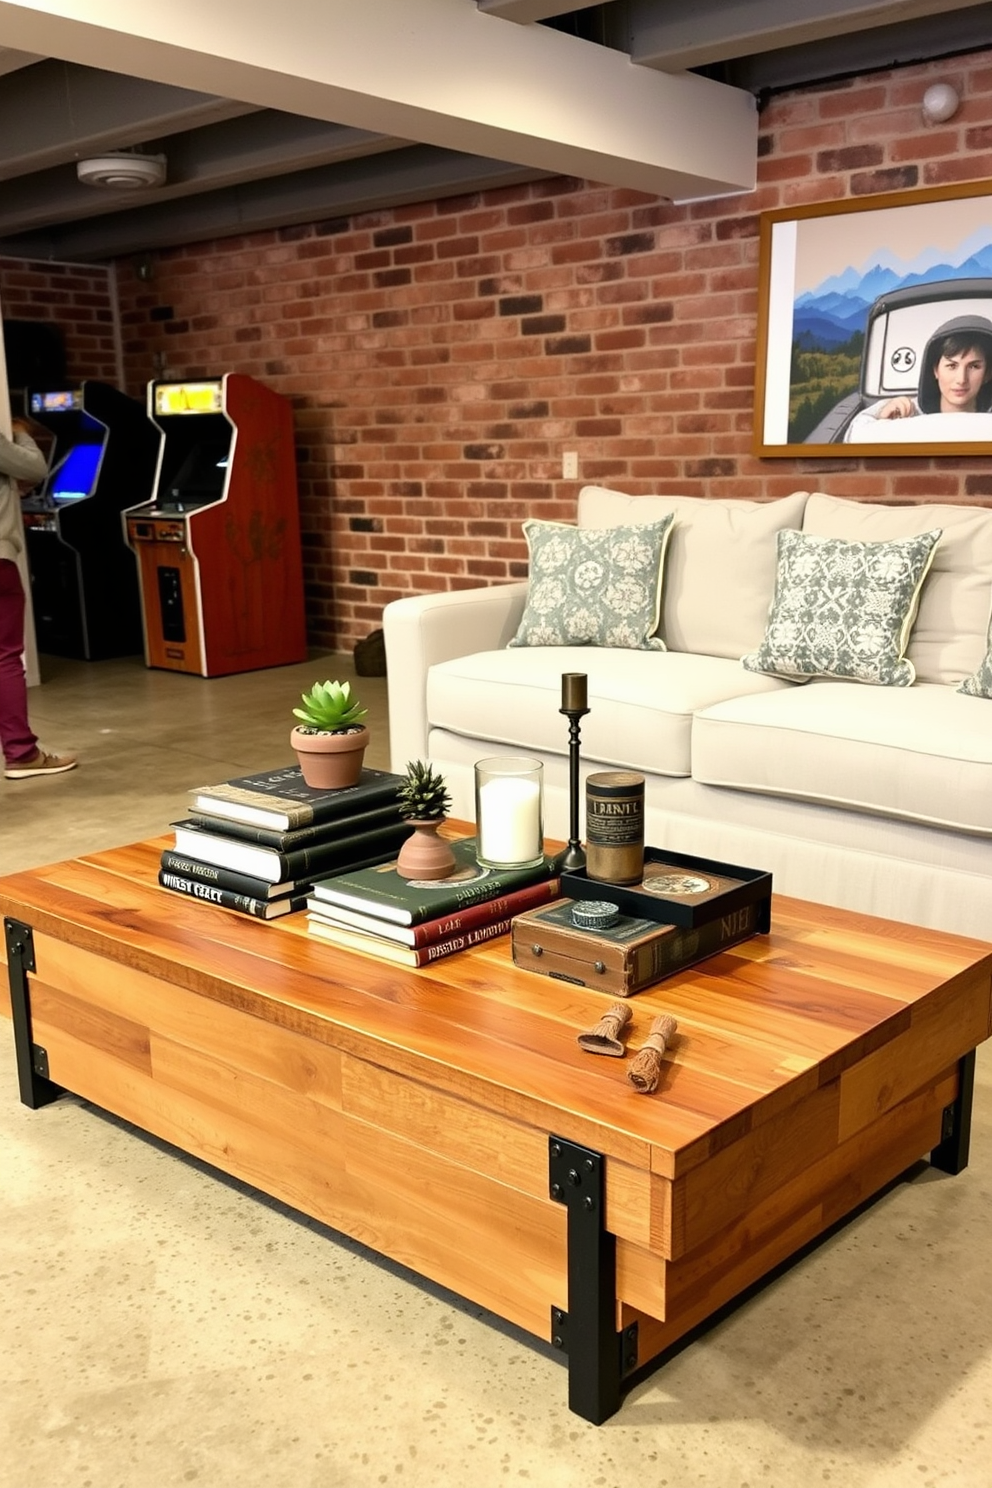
(256, 843)
(375, 910)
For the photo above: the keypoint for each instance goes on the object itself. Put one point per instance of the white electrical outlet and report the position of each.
(570, 465)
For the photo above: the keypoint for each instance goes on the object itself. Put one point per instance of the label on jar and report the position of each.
(615, 826)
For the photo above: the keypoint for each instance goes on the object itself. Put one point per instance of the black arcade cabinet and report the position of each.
(218, 545)
(84, 580)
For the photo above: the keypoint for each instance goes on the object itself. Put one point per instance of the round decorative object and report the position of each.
(594, 914)
(676, 885)
(424, 855)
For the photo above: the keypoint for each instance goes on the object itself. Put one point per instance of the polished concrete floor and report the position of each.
(162, 1326)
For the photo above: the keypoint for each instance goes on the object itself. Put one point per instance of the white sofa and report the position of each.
(869, 797)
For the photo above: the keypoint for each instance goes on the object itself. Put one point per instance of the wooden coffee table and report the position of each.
(447, 1118)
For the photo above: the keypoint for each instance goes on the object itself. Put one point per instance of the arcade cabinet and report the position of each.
(218, 546)
(84, 580)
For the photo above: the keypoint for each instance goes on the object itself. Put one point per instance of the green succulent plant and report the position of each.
(423, 796)
(330, 707)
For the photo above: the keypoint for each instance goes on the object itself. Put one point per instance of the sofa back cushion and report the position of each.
(720, 565)
(950, 633)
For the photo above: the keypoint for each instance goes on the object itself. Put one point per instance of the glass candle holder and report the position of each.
(509, 811)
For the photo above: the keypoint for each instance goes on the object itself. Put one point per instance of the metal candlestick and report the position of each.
(574, 705)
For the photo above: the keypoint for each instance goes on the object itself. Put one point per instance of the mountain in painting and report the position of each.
(827, 317)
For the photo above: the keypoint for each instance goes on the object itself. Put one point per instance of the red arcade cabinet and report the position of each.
(218, 546)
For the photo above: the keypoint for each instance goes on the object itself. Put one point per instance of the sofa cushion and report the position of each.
(950, 632)
(594, 588)
(641, 703)
(720, 564)
(844, 609)
(922, 753)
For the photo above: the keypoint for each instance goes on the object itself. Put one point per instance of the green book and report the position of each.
(380, 891)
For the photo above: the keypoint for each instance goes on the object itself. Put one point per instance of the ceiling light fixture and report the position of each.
(121, 171)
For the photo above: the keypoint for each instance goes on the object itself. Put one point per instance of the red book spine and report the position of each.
(428, 953)
(475, 916)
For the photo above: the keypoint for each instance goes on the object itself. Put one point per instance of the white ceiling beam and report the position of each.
(436, 71)
(11, 61)
(527, 11)
(672, 38)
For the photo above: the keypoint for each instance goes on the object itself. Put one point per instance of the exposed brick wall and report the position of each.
(79, 298)
(441, 357)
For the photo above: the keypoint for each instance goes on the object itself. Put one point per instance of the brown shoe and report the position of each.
(42, 764)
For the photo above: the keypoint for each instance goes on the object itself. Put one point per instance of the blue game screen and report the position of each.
(74, 478)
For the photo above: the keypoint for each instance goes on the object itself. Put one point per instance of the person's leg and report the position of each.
(19, 743)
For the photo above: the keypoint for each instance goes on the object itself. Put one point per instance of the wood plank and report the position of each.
(489, 1243)
(707, 1280)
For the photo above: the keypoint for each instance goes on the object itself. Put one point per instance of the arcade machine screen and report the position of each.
(75, 476)
(200, 478)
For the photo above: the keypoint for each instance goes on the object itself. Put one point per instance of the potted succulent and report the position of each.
(424, 802)
(330, 740)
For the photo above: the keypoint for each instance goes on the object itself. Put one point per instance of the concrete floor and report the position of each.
(162, 1325)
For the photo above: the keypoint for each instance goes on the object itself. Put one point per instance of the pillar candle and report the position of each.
(574, 692)
(509, 820)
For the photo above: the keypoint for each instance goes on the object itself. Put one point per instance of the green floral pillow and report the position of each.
(979, 684)
(844, 609)
(594, 586)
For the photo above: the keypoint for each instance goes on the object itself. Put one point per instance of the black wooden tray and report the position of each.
(728, 888)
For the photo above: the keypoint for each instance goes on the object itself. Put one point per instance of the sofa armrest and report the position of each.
(428, 628)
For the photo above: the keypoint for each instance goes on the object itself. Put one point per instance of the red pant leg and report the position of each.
(19, 743)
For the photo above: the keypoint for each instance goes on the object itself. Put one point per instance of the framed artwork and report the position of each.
(875, 326)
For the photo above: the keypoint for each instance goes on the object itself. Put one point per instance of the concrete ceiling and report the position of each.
(307, 110)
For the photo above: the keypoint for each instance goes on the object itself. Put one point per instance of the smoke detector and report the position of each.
(121, 171)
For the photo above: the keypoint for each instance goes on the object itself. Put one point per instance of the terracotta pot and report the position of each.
(424, 854)
(330, 761)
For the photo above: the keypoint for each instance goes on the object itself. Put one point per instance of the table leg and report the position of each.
(36, 1088)
(951, 1156)
(598, 1356)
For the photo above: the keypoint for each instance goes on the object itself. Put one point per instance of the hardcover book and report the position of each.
(296, 837)
(303, 864)
(404, 955)
(260, 909)
(382, 893)
(223, 878)
(627, 956)
(282, 800)
(429, 932)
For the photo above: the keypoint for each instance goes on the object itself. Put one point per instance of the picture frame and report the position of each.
(854, 299)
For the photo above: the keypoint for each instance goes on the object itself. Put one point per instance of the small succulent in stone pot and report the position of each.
(423, 796)
(424, 802)
(330, 740)
(329, 707)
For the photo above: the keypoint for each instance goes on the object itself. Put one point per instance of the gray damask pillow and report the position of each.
(594, 586)
(979, 684)
(844, 609)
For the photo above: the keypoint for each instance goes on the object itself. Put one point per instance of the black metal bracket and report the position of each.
(36, 1088)
(951, 1156)
(598, 1356)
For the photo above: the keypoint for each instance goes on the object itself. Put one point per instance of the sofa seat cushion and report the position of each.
(922, 753)
(641, 703)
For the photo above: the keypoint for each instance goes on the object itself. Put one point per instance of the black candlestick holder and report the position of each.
(574, 706)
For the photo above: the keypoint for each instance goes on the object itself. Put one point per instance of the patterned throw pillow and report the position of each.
(844, 609)
(594, 586)
(979, 684)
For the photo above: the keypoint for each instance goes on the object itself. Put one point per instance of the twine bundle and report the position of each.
(604, 1037)
(645, 1072)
